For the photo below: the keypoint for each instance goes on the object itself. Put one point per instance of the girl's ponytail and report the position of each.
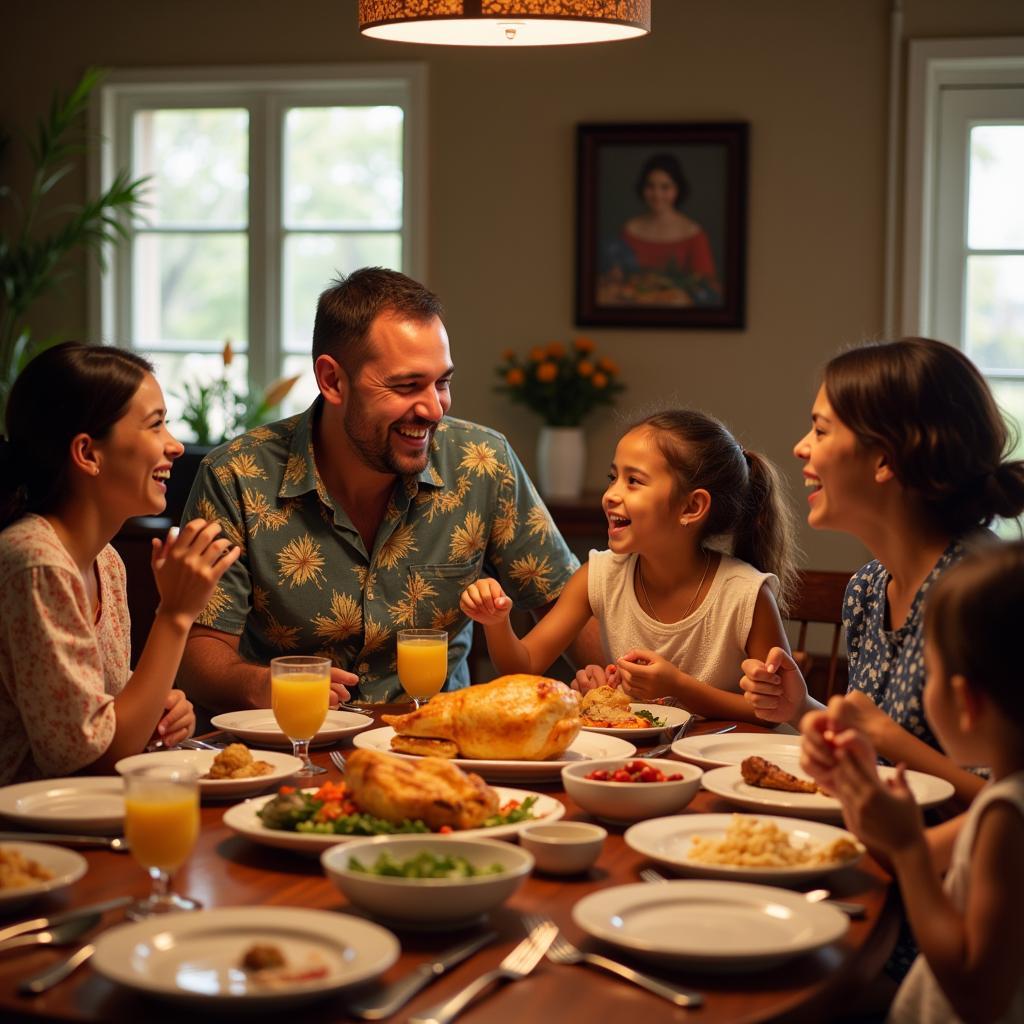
(13, 492)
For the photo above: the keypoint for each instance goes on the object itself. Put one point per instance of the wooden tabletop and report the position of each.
(226, 870)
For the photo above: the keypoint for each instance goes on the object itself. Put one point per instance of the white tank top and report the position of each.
(709, 644)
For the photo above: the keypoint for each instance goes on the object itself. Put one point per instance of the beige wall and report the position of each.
(809, 75)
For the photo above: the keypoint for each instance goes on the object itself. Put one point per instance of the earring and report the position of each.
(95, 470)
(684, 521)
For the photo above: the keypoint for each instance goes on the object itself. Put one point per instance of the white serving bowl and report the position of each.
(623, 803)
(564, 848)
(427, 902)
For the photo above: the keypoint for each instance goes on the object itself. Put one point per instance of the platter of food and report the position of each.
(610, 712)
(743, 847)
(229, 773)
(28, 870)
(730, 926)
(234, 959)
(85, 804)
(715, 751)
(258, 727)
(765, 786)
(383, 794)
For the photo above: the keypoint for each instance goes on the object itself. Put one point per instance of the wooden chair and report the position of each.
(819, 598)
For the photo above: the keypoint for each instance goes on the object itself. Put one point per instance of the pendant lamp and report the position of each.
(504, 22)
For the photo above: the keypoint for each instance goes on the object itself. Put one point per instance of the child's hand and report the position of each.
(178, 721)
(818, 750)
(485, 602)
(187, 566)
(645, 676)
(593, 676)
(774, 686)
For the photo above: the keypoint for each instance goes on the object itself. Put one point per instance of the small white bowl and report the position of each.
(565, 847)
(623, 803)
(427, 902)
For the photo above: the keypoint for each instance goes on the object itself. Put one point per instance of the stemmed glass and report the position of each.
(161, 824)
(422, 662)
(300, 691)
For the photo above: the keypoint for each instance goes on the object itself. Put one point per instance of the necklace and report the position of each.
(696, 593)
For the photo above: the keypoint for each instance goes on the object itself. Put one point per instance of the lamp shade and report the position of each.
(504, 22)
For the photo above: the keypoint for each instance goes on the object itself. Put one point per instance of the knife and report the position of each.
(69, 915)
(116, 843)
(393, 997)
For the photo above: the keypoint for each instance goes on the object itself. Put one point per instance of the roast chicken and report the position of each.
(513, 718)
(434, 790)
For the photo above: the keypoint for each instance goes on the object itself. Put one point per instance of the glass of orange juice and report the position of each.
(422, 662)
(300, 690)
(161, 823)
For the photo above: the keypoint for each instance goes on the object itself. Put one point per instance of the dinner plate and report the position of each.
(243, 819)
(66, 865)
(725, 926)
(259, 726)
(284, 767)
(195, 959)
(587, 746)
(668, 840)
(728, 782)
(715, 751)
(87, 804)
(672, 717)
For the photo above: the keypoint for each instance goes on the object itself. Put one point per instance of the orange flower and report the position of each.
(583, 345)
(608, 365)
(585, 368)
(599, 380)
(547, 372)
(508, 355)
(556, 350)
(536, 353)
(515, 377)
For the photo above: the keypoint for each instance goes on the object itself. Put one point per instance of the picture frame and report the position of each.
(661, 225)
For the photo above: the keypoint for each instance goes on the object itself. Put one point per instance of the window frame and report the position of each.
(267, 93)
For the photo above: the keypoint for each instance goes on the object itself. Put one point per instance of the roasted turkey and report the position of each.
(513, 718)
(436, 791)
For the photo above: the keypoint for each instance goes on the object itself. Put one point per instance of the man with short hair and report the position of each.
(366, 514)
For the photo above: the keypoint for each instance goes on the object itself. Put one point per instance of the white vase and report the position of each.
(561, 456)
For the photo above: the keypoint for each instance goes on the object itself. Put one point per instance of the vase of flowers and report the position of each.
(563, 384)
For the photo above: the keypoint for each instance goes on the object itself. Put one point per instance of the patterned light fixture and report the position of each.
(504, 22)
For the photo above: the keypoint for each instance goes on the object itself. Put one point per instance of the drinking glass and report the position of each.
(161, 823)
(422, 662)
(300, 690)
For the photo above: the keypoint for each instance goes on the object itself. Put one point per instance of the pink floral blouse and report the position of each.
(59, 669)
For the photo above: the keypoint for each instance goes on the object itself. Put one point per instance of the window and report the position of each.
(263, 186)
(964, 211)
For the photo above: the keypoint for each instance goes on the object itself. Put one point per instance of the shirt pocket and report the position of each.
(444, 584)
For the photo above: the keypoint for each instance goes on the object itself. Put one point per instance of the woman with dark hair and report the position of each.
(87, 446)
(907, 452)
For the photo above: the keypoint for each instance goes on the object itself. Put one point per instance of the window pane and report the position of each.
(995, 212)
(198, 161)
(312, 261)
(301, 396)
(189, 291)
(343, 167)
(994, 328)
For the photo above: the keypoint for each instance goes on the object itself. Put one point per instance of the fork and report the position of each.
(681, 734)
(516, 966)
(338, 760)
(562, 951)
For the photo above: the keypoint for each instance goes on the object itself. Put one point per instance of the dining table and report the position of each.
(228, 870)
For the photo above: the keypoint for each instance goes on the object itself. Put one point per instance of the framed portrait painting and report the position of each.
(661, 225)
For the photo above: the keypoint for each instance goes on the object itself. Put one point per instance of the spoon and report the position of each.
(59, 936)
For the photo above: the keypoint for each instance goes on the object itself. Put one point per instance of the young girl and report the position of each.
(677, 615)
(970, 928)
(88, 446)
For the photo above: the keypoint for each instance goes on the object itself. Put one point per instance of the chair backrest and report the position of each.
(818, 597)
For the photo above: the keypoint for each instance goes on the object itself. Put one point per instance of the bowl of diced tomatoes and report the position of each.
(623, 791)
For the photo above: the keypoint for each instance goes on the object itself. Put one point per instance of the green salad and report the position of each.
(644, 713)
(423, 865)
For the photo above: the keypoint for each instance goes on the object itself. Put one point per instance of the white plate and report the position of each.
(667, 840)
(715, 751)
(284, 765)
(242, 819)
(194, 958)
(587, 746)
(711, 925)
(672, 717)
(728, 782)
(89, 804)
(259, 726)
(66, 865)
